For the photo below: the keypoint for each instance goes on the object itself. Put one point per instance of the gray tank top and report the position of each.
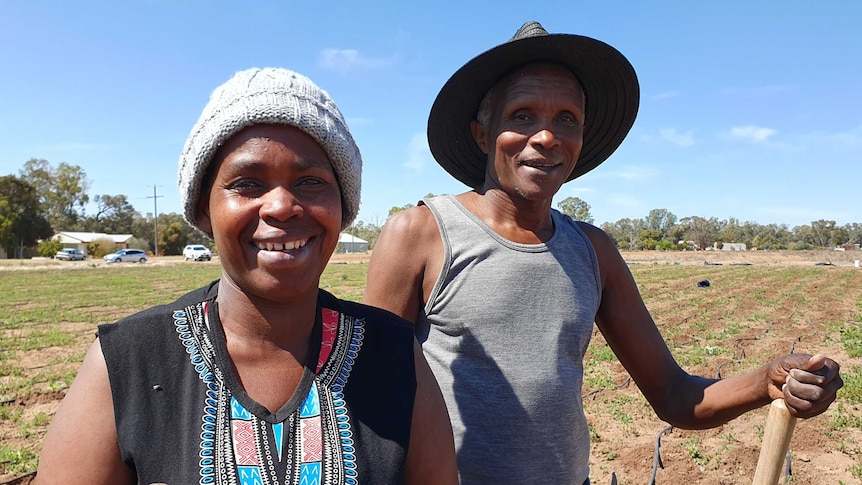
(505, 331)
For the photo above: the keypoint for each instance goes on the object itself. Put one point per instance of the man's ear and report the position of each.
(203, 215)
(479, 136)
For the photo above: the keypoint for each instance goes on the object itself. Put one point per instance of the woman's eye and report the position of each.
(244, 185)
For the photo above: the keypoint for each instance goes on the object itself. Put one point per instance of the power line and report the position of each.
(155, 197)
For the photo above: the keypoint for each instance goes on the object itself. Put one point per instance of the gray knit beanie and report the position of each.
(270, 96)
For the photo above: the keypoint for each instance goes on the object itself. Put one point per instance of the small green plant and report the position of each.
(597, 376)
(692, 447)
(851, 339)
(603, 353)
(852, 390)
(610, 455)
(594, 435)
(18, 460)
(618, 409)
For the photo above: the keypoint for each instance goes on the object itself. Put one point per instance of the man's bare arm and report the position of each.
(399, 263)
(431, 456)
(690, 401)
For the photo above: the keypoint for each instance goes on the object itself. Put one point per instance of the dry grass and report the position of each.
(759, 304)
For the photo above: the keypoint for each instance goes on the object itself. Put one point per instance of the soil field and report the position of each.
(758, 304)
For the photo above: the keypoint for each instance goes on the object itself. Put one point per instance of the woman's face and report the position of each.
(274, 210)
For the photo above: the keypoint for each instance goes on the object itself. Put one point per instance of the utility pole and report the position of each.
(155, 221)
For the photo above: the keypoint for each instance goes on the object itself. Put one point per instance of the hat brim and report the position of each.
(608, 79)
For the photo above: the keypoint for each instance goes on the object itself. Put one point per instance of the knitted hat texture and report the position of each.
(270, 96)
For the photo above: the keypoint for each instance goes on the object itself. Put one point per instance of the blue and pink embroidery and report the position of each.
(249, 437)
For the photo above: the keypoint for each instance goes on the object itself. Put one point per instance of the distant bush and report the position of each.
(138, 243)
(49, 248)
(101, 247)
(665, 245)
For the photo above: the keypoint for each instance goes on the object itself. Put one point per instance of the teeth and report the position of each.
(269, 246)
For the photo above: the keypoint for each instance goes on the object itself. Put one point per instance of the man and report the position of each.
(504, 290)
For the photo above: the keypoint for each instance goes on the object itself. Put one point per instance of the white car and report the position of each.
(69, 254)
(131, 255)
(197, 252)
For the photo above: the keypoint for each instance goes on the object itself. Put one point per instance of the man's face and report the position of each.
(534, 135)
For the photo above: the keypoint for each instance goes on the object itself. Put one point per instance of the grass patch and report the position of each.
(852, 390)
(18, 460)
(851, 339)
(597, 376)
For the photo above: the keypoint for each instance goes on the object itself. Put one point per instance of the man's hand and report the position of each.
(807, 383)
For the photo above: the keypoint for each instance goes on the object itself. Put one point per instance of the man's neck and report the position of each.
(513, 218)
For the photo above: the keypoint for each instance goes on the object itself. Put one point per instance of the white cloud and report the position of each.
(624, 201)
(680, 139)
(418, 152)
(633, 173)
(665, 95)
(646, 138)
(754, 134)
(345, 60)
(849, 139)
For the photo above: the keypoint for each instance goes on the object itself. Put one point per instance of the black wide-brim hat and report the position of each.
(608, 79)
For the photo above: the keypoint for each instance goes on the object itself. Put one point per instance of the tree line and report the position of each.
(663, 230)
(43, 200)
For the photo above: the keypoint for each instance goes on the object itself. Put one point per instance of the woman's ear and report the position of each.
(479, 136)
(203, 215)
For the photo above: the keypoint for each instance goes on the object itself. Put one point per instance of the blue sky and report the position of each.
(750, 110)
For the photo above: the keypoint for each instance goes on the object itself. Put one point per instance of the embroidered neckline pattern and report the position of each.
(238, 448)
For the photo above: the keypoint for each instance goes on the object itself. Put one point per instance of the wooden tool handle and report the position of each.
(776, 441)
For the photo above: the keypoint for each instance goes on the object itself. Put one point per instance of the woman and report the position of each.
(259, 377)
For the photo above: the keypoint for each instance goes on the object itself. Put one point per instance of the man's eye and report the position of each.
(310, 181)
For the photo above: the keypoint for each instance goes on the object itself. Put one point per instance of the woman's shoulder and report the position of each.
(157, 316)
(370, 314)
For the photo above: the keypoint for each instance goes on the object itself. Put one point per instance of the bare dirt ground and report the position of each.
(751, 315)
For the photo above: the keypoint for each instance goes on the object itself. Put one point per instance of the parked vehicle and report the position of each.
(69, 254)
(197, 252)
(129, 255)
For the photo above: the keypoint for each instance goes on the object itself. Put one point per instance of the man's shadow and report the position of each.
(496, 413)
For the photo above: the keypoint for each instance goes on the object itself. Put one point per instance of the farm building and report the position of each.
(80, 240)
(733, 247)
(349, 243)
